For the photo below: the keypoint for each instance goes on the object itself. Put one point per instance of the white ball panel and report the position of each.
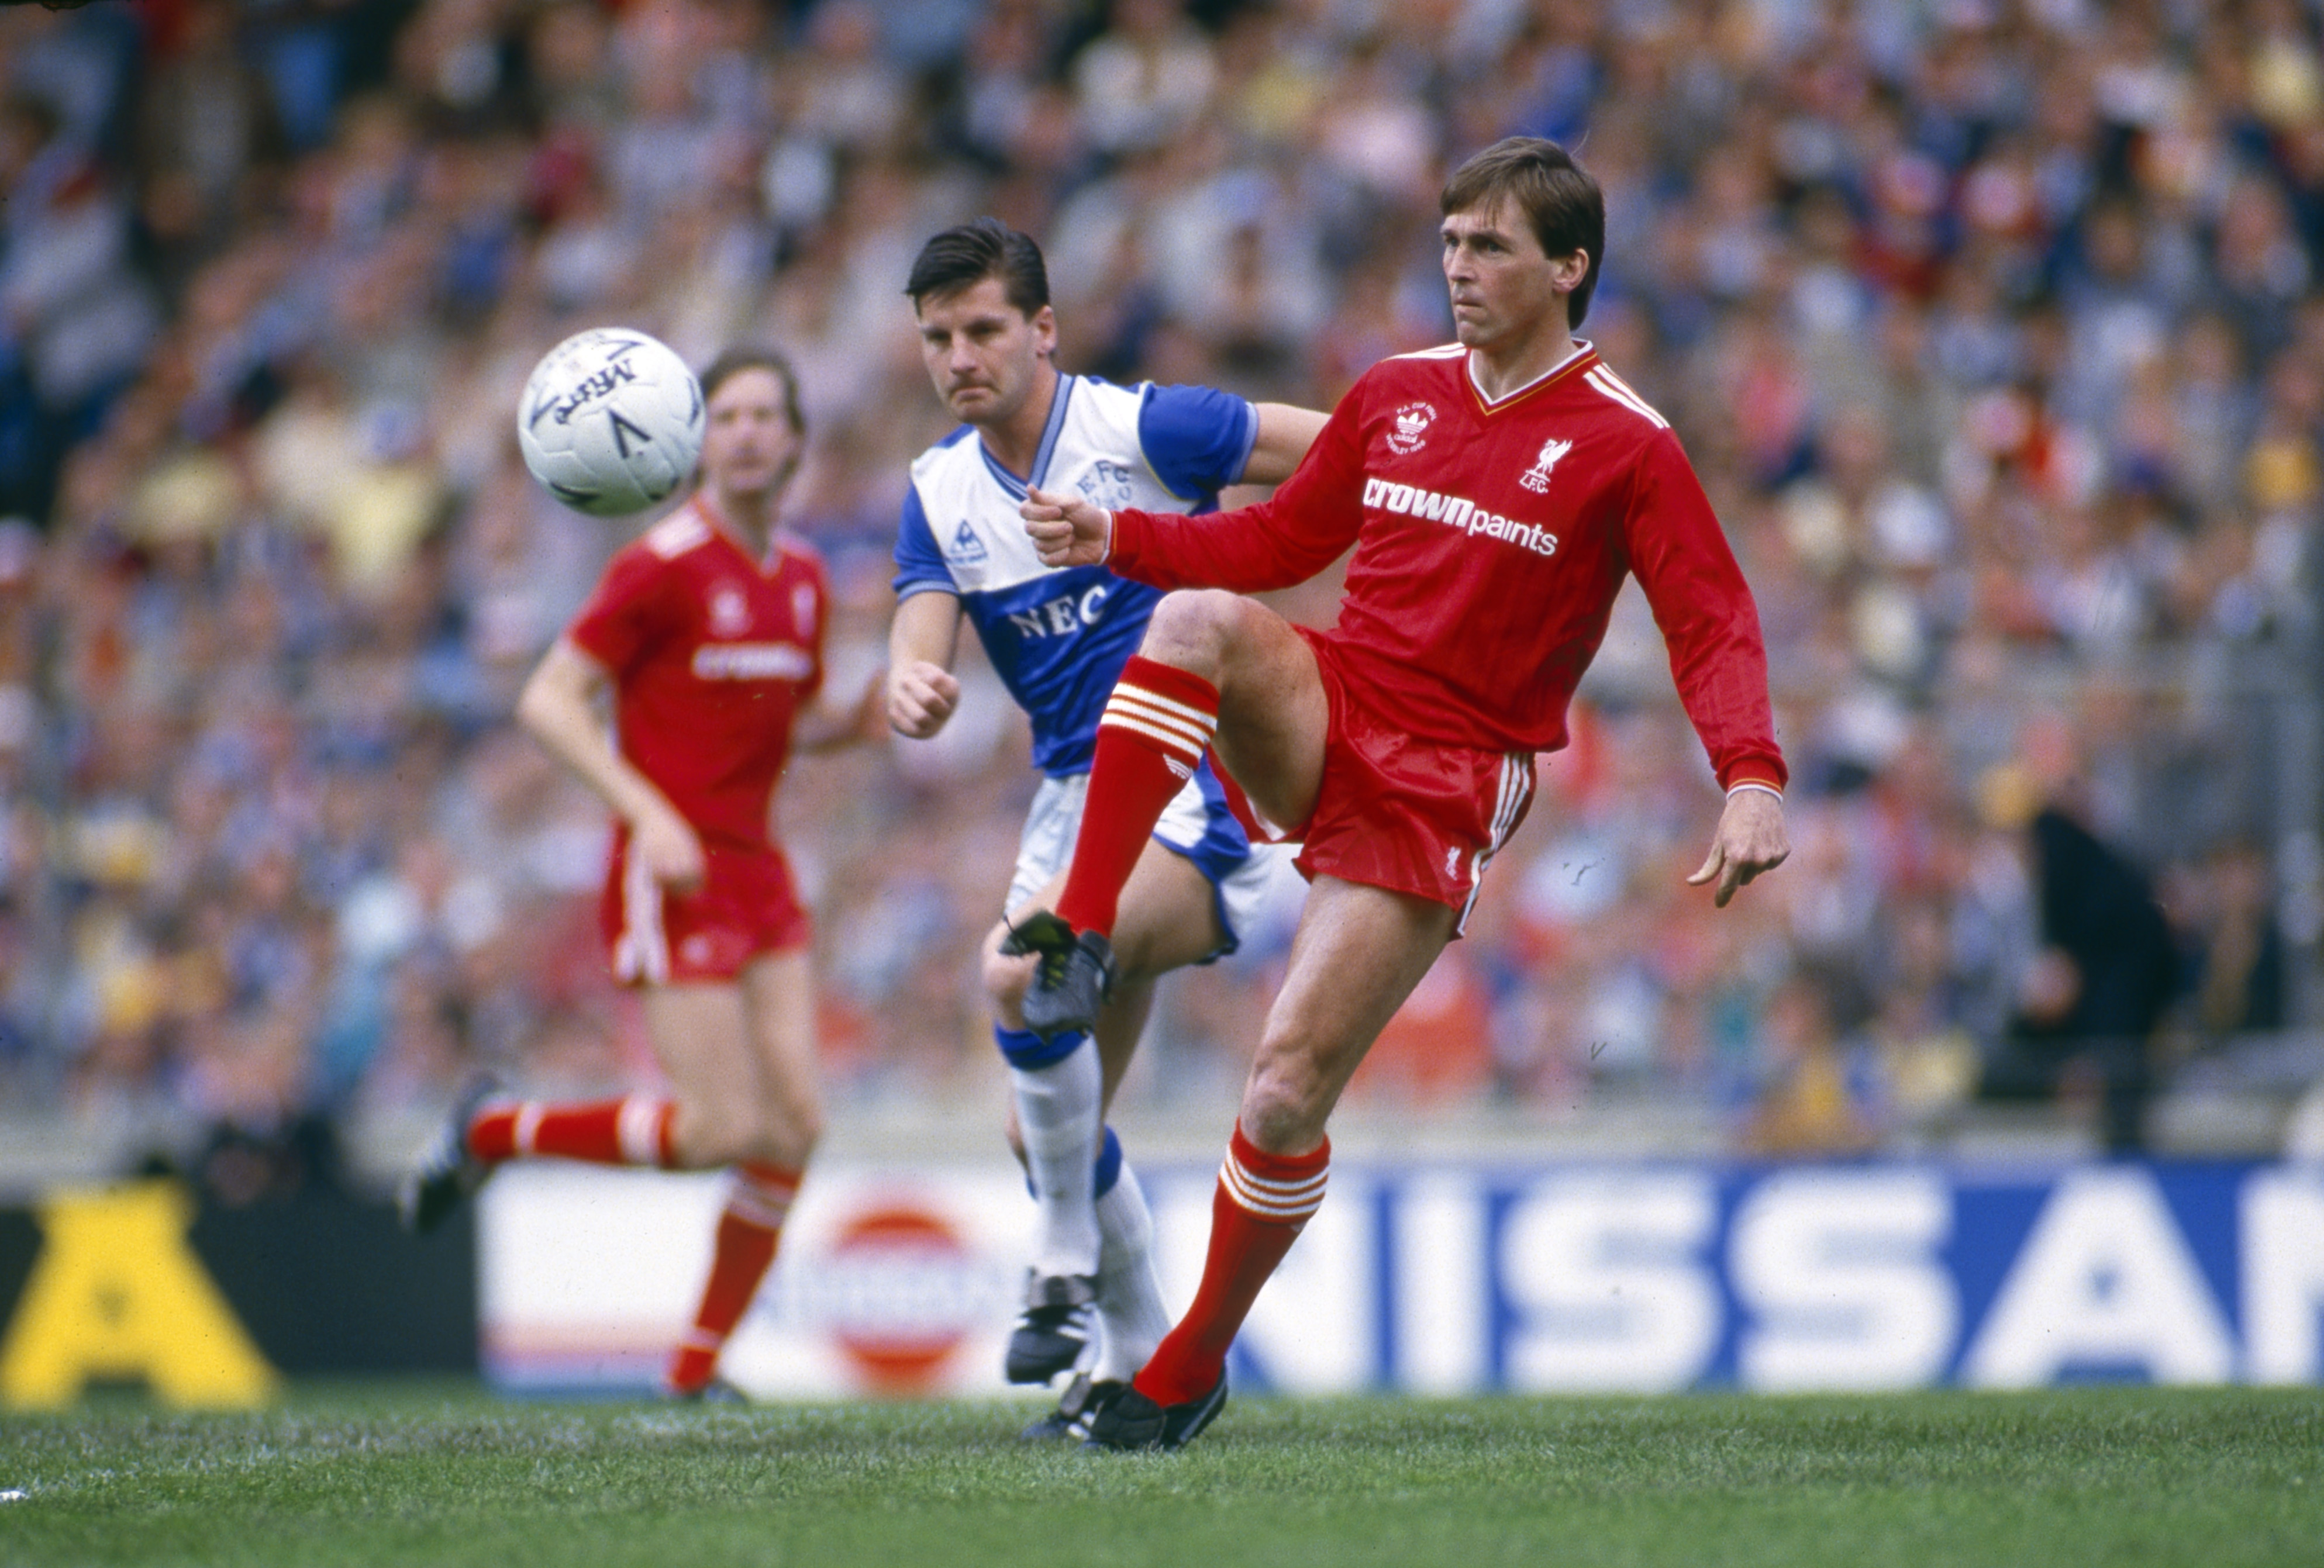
(610, 421)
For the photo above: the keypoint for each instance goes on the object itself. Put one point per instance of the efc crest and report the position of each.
(1107, 485)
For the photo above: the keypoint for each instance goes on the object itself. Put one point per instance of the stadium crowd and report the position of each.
(1993, 328)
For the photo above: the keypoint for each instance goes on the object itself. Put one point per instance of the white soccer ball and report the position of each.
(610, 421)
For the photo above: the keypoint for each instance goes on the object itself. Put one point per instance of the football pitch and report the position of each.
(441, 1474)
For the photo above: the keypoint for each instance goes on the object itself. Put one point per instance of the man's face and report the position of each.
(749, 447)
(984, 353)
(1502, 287)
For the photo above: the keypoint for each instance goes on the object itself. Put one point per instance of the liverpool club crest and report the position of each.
(1536, 478)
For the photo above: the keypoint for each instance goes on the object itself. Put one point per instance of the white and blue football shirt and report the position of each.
(1059, 637)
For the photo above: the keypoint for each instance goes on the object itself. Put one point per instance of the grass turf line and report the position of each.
(401, 1475)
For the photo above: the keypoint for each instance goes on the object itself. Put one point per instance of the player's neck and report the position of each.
(1505, 368)
(749, 517)
(1016, 442)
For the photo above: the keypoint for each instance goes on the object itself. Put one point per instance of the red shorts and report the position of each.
(1397, 812)
(745, 906)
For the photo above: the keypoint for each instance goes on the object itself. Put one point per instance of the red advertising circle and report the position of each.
(900, 1353)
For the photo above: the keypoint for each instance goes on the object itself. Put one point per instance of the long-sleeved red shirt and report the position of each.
(1490, 541)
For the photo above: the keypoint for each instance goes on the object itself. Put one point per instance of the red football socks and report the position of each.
(1262, 1202)
(633, 1131)
(748, 1230)
(1157, 725)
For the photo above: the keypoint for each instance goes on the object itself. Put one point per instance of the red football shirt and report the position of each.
(1490, 541)
(712, 654)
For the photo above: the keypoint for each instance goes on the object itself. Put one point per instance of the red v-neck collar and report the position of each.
(718, 524)
(1584, 353)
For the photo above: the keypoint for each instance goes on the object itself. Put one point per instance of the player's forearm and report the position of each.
(1249, 550)
(1718, 664)
(1726, 702)
(924, 631)
(1285, 432)
(556, 709)
(1701, 601)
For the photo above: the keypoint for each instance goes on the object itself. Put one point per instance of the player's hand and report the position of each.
(670, 849)
(920, 697)
(1750, 840)
(1067, 530)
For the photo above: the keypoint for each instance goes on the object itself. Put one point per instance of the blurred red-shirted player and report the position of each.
(1497, 490)
(709, 631)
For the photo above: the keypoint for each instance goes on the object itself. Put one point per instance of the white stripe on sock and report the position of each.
(1126, 705)
(1176, 745)
(1168, 705)
(1271, 1199)
(755, 1203)
(637, 1130)
(1169, 731)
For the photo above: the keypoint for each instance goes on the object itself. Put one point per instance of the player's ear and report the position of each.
(1045, 330)
(1570, 270)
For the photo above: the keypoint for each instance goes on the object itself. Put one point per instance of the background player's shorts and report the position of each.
(1410, 815)
(1253, 884)
(747, 905)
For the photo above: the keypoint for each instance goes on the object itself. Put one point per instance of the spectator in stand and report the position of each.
(2024, 298)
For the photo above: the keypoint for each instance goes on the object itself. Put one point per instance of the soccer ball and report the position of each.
(610, 421)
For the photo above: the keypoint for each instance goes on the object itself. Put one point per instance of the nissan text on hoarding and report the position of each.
(1459, 1277)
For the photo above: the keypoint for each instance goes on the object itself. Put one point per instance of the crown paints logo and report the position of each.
(1411, 432)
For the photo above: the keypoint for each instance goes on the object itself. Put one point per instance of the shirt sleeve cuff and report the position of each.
(1762, 786)
(1120, 537)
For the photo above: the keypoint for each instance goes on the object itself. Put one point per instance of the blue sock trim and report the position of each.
(1109, 1163)
(1021, 1048)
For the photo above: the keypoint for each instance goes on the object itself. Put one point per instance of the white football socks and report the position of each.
(1130, 1310)
(1057, 1116)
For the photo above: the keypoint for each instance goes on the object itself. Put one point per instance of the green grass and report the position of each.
(409, 1475)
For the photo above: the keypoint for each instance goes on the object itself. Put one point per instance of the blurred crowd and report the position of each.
(1993, 328)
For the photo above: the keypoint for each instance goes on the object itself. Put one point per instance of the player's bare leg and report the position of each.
(1359, 952)
(741, 1059)
(702, 1034)
(1093, 1254)
(1214, 666)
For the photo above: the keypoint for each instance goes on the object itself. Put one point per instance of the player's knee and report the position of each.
(1005, 979)
(790, 1131)
(1190, 628)
(1288, 1098)
(702, 1136)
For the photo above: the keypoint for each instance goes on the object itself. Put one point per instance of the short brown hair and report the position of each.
(733, 362)
(1557, 196)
